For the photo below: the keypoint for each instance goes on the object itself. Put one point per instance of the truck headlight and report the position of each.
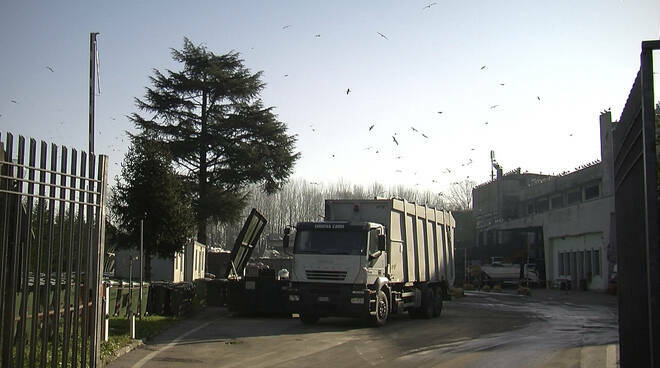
(357, 300)
(294, 298)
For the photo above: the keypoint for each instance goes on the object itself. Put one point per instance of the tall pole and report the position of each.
(141, 266)
(92, 86)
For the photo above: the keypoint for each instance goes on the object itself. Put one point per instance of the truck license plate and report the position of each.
(324, 299)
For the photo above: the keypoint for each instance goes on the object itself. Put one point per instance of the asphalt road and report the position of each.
(550, 329)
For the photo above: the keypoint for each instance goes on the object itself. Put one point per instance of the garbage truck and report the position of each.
(370, 259)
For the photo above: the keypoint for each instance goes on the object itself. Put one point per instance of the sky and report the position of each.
(526, 79)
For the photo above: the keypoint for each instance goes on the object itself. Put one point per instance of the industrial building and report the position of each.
(563, 223)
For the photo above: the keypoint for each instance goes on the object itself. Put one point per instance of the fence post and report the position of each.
(106, 311)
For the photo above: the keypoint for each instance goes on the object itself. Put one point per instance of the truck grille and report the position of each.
(325, 275)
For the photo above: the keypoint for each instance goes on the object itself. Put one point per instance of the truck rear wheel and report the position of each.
(382, 310)
(437, 301)
(309, 318)
(427, 310)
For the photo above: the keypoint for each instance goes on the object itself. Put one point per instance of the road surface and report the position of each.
(550, 329)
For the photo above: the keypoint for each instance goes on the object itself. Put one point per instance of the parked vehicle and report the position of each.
(372, 258)
(509, 273)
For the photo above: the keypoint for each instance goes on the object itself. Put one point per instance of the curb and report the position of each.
(123, 351)
(218, 311)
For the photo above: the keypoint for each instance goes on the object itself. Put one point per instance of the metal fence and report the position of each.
(52, 216)
(635, 200)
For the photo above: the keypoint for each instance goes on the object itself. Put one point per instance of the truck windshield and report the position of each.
(330, 242)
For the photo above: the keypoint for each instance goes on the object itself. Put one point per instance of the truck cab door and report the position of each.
(376, 258)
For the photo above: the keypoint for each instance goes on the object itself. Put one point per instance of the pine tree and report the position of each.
(221, 136)
(149, 189)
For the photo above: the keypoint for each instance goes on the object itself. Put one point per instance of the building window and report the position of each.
(567, 263)
(587, 263)
(542, 205)
(591, 192)
(596, 262)
(573, 197)
(561, 263)
(557, 202)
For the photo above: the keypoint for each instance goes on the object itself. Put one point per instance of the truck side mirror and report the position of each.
(381, 242)
(285, 238)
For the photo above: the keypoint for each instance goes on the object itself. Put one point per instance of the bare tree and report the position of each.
(460, 195)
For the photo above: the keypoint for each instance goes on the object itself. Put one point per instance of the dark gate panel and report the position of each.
(636, 222)
(51, 230)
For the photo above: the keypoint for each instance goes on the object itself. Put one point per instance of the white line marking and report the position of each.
(144, 360)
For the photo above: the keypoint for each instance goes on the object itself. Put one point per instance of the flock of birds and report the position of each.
(395, 137)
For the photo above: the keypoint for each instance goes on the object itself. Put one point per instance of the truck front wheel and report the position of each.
(382, 310)
(309, 318)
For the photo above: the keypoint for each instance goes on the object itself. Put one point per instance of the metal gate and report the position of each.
(635, 200)
(52, 217)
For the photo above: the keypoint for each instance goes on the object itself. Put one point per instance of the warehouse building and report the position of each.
(563, 223)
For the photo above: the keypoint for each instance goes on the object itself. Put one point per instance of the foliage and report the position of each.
(221, 136)
(485, 288)
(149, 189)
(524, 291)
(497, 288)
(460, 195)
(456, 292)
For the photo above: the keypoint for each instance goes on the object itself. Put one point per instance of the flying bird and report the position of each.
(317, 35)
(414, 129)
(538, 98)
(439, 112)
(371, 127)
(395, 141)
(425, 136)
(486, 123)
(49, 68)
(348, 90)
(494, 106)
(501, 84)
(382, 35)
(286, 75)
(14, 101)
(429, 6)
(286, 26)
(483, 67)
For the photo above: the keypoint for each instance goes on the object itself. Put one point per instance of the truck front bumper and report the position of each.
(326, 300)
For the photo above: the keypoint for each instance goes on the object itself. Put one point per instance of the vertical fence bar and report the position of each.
(58, 280)
(3, 242)
(650, 199)
(79, 249)
(67, 293)
(9, 299)
(99, 242)
(45, 334)
(40, 222)
(25, 248)
(87, 245)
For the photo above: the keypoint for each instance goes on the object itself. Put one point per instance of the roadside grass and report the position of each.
(119, 332)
